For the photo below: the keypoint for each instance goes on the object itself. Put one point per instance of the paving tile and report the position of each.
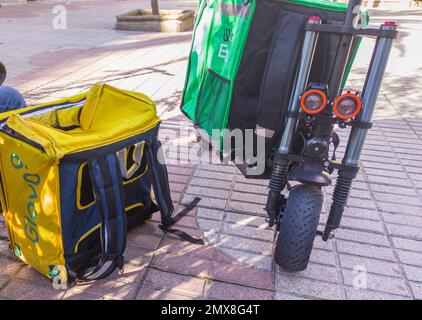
(248, 232)
(413, 273)
(403, 219)
(242, 274)
(219, 184)
(362, 237)
(9, 267)
(213, 175)
(252, 259)
(110, 288)
(356, 223)
(25, 290)
(405, 231)
(249, 197)
(28, 273)
(308, 287)
(217, 168)
(361, 203)
(246, 220)
(148, 227)
(205, 202)
(287, 296)
(397, 199)
(387, 268)
(209, 214)
(208, 192)
(227, 291)
(210, 229)
(182, 264)
(362, 213)
(3, 230)
(407, 244)
(247, 245)
(361, 294)
(175, 246)
(246, 187)
(246, 207)
(176, 283)
(416, 290)
(3, 281)
(411, 258)
(378, 188)
(143, 240)
(130, 274)
(365, 250)
(137, 256)
(314, 271)
(358, 278)
(322, 257)
(399, 208)
(78, 295)
(5, 250)
(151, 294)
(240, 178)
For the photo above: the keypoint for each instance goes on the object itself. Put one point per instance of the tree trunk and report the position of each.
(155, 8)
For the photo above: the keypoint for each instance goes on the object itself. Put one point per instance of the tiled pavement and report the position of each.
(382, 227)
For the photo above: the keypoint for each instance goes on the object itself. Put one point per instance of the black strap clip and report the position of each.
(166, 227)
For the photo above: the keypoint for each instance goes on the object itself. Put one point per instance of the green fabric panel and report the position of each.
(220, 34)
(197, 57)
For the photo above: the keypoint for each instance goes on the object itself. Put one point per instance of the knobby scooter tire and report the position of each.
(298, 228)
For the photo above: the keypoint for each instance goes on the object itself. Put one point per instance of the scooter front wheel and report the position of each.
(298, 227)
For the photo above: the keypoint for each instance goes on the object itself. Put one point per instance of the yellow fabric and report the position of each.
(108, 115)
(68, 117)
(74, 98)
(30, 177)
(31, 187)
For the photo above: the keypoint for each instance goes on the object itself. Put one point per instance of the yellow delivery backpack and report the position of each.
(76, 174)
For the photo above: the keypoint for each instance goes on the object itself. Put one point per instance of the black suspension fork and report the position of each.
(358, 134)
(280, 168)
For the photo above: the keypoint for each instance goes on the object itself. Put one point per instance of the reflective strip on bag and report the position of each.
(237, 10)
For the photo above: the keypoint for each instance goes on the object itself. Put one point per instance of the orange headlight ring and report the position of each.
(347, 95)
(307, 93)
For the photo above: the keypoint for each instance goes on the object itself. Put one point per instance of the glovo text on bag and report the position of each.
(32, 181)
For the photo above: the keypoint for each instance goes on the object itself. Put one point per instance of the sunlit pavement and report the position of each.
(379, 246)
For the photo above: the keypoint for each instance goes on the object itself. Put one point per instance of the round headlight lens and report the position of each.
(313, 101)
(347, 106)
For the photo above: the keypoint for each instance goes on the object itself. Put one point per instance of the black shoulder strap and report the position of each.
(279, 71)
(108, 188)
(159, 177)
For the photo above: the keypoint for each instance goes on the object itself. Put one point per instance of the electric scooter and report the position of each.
(307, 146)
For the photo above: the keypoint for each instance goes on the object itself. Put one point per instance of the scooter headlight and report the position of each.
(313, 101)
(347, 106)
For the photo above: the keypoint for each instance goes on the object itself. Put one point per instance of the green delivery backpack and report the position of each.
(243, 60)
(76, 174)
